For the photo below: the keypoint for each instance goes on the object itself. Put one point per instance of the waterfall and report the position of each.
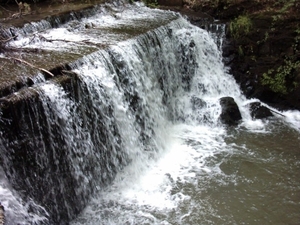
(129, 135)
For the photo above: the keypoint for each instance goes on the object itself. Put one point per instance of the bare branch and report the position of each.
(2, 66)
(5, 9)
(9, 39)
(33, 66)
(87, 41)
(63, 40)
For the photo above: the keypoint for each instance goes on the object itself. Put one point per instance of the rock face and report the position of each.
(2, 216)
(170, 2)
(258, 111)
(197, 103)
(265, 60)
(231, 114)
(263, 51)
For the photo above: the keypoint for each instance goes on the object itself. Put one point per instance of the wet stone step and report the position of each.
(39, 50)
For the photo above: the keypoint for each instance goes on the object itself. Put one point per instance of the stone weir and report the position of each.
(43, 51)
(26, 61)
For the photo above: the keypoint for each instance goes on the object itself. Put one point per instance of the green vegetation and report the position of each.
(151, 3)
(287, 5)
(240, 51)
(276, 80)
(240, 26)
(281, 6)
(297, 39)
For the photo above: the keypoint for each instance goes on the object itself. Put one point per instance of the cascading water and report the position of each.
(133, 136)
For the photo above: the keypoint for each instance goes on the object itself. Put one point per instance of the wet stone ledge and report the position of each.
(39, 50)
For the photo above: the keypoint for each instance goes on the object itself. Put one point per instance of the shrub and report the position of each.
(276, 80)
(151, 3)
(240, 26)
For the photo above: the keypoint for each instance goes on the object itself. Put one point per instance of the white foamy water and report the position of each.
(292, 118)
(144, 191)
(184, 181)
(16, 210)
(110, 25)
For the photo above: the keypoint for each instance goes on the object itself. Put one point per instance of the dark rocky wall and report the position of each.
(23, 145)
(41, 163)
(29, 153)
(272, 43)
(170, 2)
(269, 46)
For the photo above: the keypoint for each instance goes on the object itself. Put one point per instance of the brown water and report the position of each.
(258, 181)
(252, 178)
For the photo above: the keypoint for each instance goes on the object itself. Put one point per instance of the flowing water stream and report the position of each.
(143, 138)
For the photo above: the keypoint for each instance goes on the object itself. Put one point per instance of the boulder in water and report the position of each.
(231, 114)
(258, 111)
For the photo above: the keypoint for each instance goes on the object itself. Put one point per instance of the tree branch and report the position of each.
(7, 40)
(33, 66)
(5, 9)
(87, 41)
(2, 66)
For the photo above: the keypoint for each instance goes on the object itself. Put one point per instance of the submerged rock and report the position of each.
(231, 114)
(258, 111)
(197, 103)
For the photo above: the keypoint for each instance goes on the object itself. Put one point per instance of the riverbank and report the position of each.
(262, 47)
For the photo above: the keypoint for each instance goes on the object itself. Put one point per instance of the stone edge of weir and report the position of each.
(19, 72)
